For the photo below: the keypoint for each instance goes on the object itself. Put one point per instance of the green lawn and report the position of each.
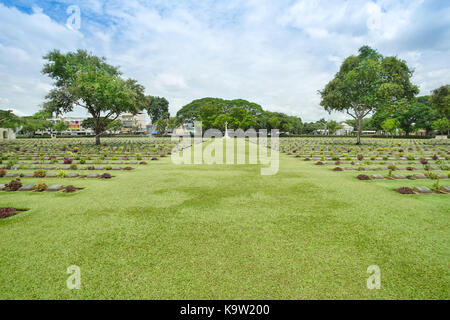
(164, 231)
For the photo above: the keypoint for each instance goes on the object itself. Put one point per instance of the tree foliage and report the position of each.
(390, 125)
(8, 119)
(412, 115)
(442, 125)
(161, 126)
(157, 108)
(333, 126)
(114, 125)
(87, 81)
(239, 114)
(440, 100)
(60, 126)
(366, 83)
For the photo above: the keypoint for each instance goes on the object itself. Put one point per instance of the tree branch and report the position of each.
(350, 114)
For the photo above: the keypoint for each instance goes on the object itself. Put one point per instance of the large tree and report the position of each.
(390, 125)
(60, 126)
(442, 125)
(157, 108)
(365, 83)
(440, 100)
(412, 115)
(31, 124)
(333, 126)
(86, 81)
(8, 119)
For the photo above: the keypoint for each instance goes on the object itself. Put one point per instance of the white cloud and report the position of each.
(277, 54)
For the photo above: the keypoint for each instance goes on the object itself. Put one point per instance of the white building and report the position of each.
(7, 134)
(74, 123)
(345, 130)
(129, 121)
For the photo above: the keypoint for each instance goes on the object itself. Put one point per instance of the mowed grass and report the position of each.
(166, 231)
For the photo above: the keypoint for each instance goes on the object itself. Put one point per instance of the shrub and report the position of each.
(409, 168)
(14, 185)
(337, 163)
(432, 176)
(138, 156)
(82, 161)
(41, 186)
(405, 190)
(108, 168)
(410, 157)
(306, 159)
(154, 158)
(105, 176)
(360, 157)
(70, 189)
(142, 162)
(436, 186)
(3, 172)
(128, 168)
(363, 177)
(10, 164)
(337, 169)
(90, 168)
(319, 163)
(423, 161)
(61, 174)
(73, 167)
(435, 157)
(40, 173)
(68, 160)
(392, 167)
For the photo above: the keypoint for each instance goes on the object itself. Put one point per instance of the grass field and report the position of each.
(225, 232)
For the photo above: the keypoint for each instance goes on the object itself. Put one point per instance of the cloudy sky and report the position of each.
(275, 53)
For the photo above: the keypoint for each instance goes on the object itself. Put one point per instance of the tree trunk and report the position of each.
(97, 130)
(358, 137)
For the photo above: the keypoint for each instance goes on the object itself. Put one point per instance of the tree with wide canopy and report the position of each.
(8, 119)
(86, 81)
(366, 83)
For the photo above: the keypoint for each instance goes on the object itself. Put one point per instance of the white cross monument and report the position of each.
(226, 131)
